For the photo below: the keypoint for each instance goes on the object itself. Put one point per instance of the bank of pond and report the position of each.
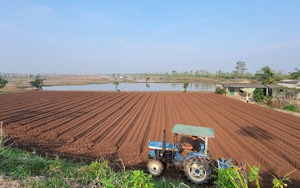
(135, 87)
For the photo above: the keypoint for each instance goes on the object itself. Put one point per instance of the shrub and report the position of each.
(185, 86)
(3, 140)
(269, 100)
(140, 179)
(291, 107)
(258, 95)
(103, 174)
(279, 183)
(20, 85)
(37, 82)
(3, 82)
(223, 178)
(220, 91)
(236, 177)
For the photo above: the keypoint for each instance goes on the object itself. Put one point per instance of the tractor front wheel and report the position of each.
(198, 171)
(155, 167)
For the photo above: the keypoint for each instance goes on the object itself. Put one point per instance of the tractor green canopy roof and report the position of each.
(193, 130)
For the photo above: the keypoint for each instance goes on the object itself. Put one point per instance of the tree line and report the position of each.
(266, 75)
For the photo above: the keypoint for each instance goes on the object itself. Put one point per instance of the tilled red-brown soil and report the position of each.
(96, 124)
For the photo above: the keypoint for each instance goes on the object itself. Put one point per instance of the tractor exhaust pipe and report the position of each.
(164, 142)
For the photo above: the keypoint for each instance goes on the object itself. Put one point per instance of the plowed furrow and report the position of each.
(83, 123)
(36, 110)
(268, 124)
(273, 116)
(129, 121)
(100, 124)
(223, 129)
(139, 126)
(53, 112)
(69, 113)
(258, 145)
(110, 134)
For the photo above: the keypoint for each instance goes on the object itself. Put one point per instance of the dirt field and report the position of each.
(97, 124)
(19, 83)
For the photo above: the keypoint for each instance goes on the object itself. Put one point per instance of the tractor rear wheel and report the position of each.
(198, 171)
(155, 167)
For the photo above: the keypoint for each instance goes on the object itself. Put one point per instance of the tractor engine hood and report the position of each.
(155, 145)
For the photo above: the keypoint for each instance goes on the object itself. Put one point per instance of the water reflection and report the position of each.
(197, 85)
(137, 87)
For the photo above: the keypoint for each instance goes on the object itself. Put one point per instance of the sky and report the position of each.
(148, 36)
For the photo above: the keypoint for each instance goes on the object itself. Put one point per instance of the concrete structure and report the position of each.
(280, 90)
(294, 86)
(290, 83)
(240, 89)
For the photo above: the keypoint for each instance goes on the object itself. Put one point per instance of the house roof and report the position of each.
(290, 83)
(241, 85)
(271, 86)
(294, 82)
(281, 84)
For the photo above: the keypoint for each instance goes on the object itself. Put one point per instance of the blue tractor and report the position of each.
(196, 165)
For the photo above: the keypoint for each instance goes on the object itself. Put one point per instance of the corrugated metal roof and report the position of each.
(241, 85)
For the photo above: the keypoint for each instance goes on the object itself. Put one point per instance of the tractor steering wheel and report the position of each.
(180, 144)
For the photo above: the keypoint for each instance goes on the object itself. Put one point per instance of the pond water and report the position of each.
(135, 87)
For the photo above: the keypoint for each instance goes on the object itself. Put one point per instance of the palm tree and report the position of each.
(266, 75)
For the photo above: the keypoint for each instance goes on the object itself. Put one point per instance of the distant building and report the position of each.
(290, 87)
(290, 83)
(240, 89)
(285, 88)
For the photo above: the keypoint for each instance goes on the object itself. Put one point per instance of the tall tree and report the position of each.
(266, 75)
(240, 68)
